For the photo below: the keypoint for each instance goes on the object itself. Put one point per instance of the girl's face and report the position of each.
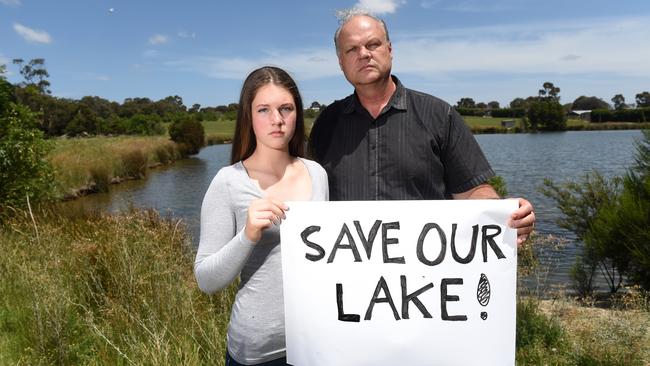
(274, 117)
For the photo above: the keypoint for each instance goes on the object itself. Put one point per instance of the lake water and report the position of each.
(523, 160)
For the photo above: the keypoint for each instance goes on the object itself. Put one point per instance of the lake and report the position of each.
(523, 160)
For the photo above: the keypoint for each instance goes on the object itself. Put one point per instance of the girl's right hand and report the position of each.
(262, 213)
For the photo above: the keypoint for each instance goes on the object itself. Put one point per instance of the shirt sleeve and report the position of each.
(465, 164)
(222, 250)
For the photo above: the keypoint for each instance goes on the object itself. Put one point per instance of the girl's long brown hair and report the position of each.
(244, 142)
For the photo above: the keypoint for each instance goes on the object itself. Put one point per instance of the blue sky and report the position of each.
(202, 50)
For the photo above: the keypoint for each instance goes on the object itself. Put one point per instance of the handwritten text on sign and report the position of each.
(399, 282)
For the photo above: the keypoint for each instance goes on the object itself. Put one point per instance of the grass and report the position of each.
(91, 164)
(105, 290)
(222, 131)
(84, 288)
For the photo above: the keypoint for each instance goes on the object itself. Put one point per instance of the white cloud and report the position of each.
(380, 6)
(304, 64)
(10, 2)
(186, 34)
(597, 46)
(97, 77)
(428, 4)
(32, 35)
(150, 53)
(157, 39)
(470, 6)
(584, 57)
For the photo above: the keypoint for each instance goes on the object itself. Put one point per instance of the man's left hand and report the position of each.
(523, 219)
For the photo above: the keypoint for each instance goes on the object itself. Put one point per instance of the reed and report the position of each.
(98, 289)
(84, 164)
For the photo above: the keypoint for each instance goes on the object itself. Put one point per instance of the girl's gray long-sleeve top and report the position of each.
(256, 330)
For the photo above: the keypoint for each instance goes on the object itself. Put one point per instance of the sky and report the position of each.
(202, 50)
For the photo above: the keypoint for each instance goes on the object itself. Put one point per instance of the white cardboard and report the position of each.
(316, 336)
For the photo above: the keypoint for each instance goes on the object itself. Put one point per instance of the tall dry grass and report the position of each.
(91, 164)
(105, 290)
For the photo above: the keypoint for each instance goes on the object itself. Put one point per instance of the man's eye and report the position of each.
(373, 46)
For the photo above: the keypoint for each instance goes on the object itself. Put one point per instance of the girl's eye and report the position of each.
(286, 110)
(262, 110)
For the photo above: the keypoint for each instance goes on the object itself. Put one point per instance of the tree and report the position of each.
(6, 90)
(188, 132)
(547, 114)
(643, 100)
(549, 92)
(622, 225)
(493, 105)
(581, 203)
(589, 103)
(315, 105)
(24, 171)
(518, 103)
(466, 103)
(481, 105)
(34, 73)
(619, 102)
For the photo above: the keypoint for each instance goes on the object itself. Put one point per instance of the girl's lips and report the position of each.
(277, 133)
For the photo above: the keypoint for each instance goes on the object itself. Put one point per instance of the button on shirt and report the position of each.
(417, 148)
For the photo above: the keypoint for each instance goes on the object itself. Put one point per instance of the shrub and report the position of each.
(134, 164)
(188, 132)
(622, 115)
(622, 225)
(100, 175)
(477, 112)
(534, 327)
(141, 124)
(581, 203)
(24, 172)
(547, 115)
(508, 113)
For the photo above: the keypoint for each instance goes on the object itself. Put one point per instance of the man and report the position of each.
(386, 142)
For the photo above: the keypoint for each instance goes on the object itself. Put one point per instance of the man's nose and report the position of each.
(364, 52)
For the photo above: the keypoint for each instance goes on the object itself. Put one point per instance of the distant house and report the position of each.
(584, 115)
(508, 123)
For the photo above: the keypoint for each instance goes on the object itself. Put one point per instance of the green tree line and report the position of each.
(545, 112)
(93, 115)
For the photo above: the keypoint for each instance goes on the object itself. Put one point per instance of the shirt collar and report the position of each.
(397, 100)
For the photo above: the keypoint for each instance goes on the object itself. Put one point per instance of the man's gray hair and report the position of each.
(345, 15)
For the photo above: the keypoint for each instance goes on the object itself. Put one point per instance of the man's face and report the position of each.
(365, 56)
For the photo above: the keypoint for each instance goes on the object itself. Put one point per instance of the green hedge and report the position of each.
(623, 115)
(508, 113)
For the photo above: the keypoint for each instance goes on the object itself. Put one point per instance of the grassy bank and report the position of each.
(222, 131)
(218, 132)
(85, 165)
(104, 290)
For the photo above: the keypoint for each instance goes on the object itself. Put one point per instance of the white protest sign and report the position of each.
(400, 283)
